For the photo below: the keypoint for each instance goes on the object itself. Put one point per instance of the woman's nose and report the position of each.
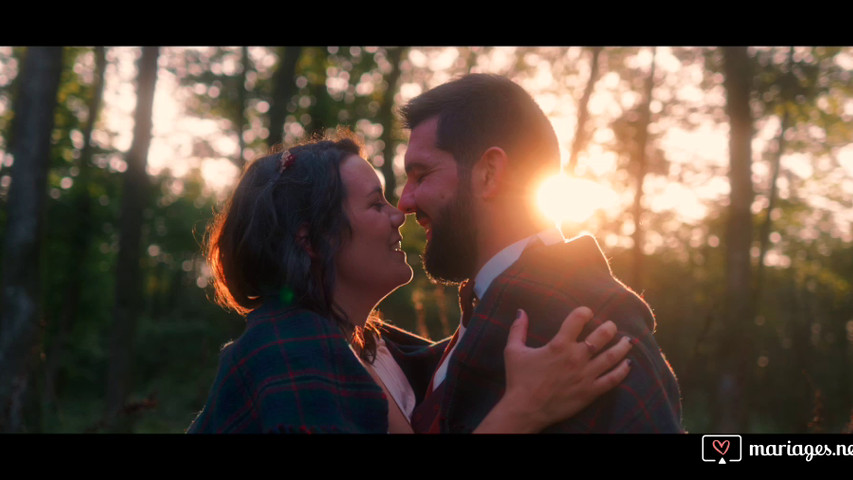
(397, 217)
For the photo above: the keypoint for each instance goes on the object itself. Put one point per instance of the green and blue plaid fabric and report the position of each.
(291, 371)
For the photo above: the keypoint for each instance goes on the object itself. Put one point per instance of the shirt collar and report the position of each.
(506, 257)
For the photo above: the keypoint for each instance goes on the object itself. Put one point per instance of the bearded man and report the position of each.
(479, 147)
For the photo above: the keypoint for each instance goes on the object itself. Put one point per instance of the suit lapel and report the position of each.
(476, 372)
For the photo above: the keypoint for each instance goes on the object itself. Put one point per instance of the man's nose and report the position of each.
(406, 204)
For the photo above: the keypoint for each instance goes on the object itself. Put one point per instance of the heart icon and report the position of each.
(721, 447)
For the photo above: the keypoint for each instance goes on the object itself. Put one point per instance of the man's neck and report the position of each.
(495, 238)
(489, 247)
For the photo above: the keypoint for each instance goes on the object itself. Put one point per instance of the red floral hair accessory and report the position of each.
(287, 160)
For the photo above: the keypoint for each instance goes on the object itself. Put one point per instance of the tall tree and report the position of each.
(776, 162)
(81, 233)
(731, 400)
(641, 168)
(283, 90)
(20, 301)
(386, 117)
(128, 273)
(581, 134)
(241, 102)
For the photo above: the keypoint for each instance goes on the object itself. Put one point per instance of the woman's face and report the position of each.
(371, 260)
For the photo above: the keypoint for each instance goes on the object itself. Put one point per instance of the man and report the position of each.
(479, 148)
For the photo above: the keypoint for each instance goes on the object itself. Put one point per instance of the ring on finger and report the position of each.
(592, 348)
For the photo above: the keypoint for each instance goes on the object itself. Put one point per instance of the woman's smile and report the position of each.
(371, 259)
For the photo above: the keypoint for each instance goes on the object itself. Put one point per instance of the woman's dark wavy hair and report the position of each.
(279, 233)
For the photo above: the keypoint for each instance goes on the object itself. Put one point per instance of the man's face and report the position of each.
(441, 200)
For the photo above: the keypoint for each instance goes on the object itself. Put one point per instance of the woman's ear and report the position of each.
(302, 241)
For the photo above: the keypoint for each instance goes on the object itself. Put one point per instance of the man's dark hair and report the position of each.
(478, 111)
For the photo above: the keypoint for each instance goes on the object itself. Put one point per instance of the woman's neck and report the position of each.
(355, 305)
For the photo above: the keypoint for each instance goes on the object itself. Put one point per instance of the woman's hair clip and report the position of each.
(287, 160)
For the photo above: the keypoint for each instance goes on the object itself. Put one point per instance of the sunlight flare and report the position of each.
(563, 198)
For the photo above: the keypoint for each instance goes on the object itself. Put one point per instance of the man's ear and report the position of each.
(490, 172)
(302, 241)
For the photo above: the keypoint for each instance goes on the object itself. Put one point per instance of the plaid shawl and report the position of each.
(291, 371)
(549, 282)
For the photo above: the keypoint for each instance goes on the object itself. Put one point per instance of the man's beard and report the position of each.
(451, 253)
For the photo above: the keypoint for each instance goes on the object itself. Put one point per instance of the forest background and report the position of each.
(717, 180)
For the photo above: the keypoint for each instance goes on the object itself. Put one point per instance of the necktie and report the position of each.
(467, 300)
(426, 417)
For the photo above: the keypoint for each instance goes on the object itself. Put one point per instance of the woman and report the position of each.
(306, 248)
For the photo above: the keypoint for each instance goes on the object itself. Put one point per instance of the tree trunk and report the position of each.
(128, 272)
(20, 301)
(241, 115)
(81, 235)
(283, 91)
(735, 346)
(386, 117)
(642, 140)
(323, 110)
(579, 142)
(764, 232)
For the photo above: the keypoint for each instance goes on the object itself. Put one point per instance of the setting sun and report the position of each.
(563, 198)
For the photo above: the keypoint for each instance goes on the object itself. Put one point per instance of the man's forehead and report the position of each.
(421, 151)
(424, 135)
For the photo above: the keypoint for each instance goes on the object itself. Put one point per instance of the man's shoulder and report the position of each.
(548, 282)
(566, 275)
(577, 273)
(581, 253)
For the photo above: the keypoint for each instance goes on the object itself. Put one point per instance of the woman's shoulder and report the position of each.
(291, 370)
(290, 321)
(277, 334)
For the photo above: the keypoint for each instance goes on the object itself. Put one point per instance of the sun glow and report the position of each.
(563, 198)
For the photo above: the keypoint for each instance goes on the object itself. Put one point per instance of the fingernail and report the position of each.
(630, 363)
(518, 314)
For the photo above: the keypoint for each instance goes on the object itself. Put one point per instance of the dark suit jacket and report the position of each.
(549, 282)
(292, 371)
